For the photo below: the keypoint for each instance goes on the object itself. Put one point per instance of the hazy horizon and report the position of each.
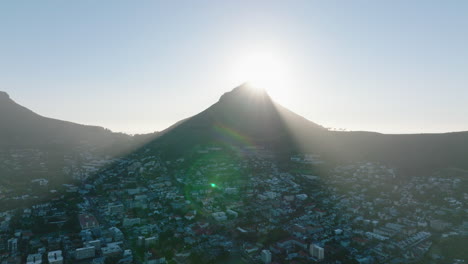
(147, 132)
(396, 67)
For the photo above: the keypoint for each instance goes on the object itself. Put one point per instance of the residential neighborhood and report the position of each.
(239, 205)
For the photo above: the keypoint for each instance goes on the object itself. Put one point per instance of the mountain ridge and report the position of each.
(254, 116)
(22, 127)
(246, 116)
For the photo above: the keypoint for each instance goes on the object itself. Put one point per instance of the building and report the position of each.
(141, 241)
(219, 216)
(266, 256)
(55, 257)
(88, 221)
(439, 225)
(301, 196)
(117, 235)
(317, 252)
(13, 245)
(34, 259)
(84, 253)
(94, 243)
(131, 222)
(292, 242)
(115, 208)
(150, 241)
(112, 249)
(232, 213)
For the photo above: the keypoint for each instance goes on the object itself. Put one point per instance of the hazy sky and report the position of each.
(140, 66)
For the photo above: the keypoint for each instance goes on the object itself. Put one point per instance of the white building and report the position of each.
(112, 249)
(94, 243)
(232, 213)
(301, 196)
(219, 216)
(131, 222)
(55, 257)
(150, 241)
(34, 259)
(317, 252)
(266, 256)
(84, 253)
(13, 245)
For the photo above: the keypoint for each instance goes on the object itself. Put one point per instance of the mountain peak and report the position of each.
(245, 92)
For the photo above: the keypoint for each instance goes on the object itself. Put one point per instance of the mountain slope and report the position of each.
(412, 153)
(22, 127)
(246, 117)
(242, 117)
(33, 146)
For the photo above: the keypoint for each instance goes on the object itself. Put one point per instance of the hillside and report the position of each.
(242, 117)
(22, 127)
(33, 146)
(248, 117)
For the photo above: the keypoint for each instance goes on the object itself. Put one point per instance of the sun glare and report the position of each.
(262, 70)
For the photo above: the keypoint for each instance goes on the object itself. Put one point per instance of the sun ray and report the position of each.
(263, 70)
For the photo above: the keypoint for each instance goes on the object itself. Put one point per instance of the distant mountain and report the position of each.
(33, 146)
(249, 117)
(411, 153)
(23, 128)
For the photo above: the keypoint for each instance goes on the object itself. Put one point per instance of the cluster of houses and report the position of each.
(213, 206)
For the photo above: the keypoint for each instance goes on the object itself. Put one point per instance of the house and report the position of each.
(112, 249)
(84, 253)
(88, 221)
(55, 257)
(219, 216)
(34, 259)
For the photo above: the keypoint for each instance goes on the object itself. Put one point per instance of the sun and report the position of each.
(262, 70)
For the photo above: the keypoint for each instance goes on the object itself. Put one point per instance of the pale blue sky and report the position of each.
(140, 66)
